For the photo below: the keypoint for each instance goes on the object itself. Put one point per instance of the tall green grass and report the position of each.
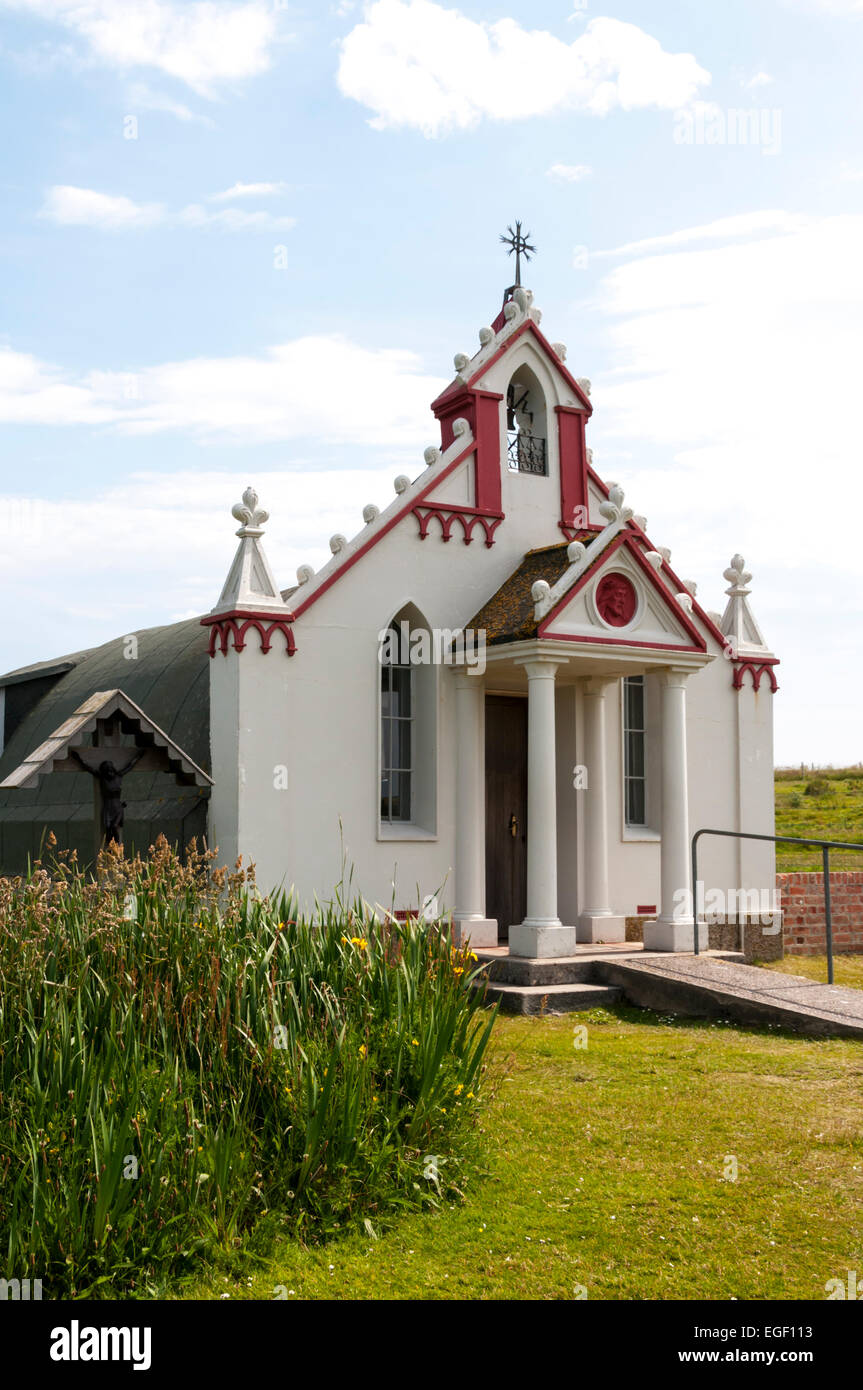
(185, 1067)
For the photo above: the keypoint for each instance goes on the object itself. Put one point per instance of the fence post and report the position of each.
(695, 890)
(828, 919)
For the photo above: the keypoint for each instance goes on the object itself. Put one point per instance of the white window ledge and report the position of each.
(404, 831)
(640, 834)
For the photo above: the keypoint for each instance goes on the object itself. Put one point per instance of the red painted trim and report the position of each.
(572, 451)
(643, 911)
(455, 387)
(530, 327)
(630, 541)
(487, 469)
(237, 623)
(448, 512)
(384, 530)
(616, 642)
(696, 606)
(756, 671)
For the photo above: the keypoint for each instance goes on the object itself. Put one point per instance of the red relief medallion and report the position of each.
(616, 600)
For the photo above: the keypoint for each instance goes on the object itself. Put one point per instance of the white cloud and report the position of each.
(34, 392)
(84, 207)
(849, 175)
(175, 528)
(248, 190)
(761, 79)
(740, 363)
(569, 173)
(144, 98)
(315, 388)
(741, 225)
(232, 219)
(205, 44)
(415, 63)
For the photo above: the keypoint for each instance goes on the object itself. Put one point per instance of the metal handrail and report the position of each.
(826, 846)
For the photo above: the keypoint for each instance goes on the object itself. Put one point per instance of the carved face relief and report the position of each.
(616, 600)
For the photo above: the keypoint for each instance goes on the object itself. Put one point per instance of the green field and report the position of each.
(848, 969)
(824, 802)
(605, 1171)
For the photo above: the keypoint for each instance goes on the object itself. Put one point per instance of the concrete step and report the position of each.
(551, 999)
(585, 968)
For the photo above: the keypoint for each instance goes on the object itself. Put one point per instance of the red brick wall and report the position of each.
(802, 904)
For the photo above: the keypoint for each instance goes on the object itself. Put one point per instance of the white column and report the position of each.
(674, 929)
(469, 920)
(541, 933)
(596, 921)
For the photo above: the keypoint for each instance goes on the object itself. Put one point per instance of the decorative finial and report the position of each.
(517, 241)
(249, 514)
(737, 576)
(614, 510)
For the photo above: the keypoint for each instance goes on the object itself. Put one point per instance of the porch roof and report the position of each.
(508, 616)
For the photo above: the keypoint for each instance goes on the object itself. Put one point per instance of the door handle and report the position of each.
(513, 825)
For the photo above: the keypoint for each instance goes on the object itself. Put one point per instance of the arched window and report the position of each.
(634, 762)
(526, 431)
(408, 728)
(397, 734)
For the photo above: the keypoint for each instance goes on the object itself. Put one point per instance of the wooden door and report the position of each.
(505, 811)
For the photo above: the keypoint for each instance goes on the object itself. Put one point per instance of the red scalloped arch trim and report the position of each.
(756, 671)
(224, 626)
(469, 517)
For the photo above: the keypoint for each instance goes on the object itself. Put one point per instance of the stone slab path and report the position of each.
(710, 986)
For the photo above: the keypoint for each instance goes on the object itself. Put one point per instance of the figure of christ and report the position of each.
(110, 780)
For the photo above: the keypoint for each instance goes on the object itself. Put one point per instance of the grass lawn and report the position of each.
(826, 803)
(604, 1167)
(847, 970)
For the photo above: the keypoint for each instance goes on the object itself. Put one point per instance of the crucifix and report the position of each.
(517, 241)
(110, 779)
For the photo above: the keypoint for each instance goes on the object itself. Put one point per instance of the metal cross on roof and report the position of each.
(518, 242)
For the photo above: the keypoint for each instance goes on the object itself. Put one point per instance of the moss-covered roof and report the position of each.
(508, 616)
(168, 679)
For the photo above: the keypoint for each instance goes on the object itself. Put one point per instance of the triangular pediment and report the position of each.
(620, 600)
(516, 328)
(157, 751)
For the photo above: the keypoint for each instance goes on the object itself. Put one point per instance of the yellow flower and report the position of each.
(363, 1049)
(279, 926)
(360, 942)
(470, 1095)
(414, 1042)
(459, 1089)
(458, 970)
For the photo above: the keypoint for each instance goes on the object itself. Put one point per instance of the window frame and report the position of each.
(388, 724)
(637, 828)
(424, 738)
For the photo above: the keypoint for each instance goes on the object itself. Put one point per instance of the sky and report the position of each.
(241, 243)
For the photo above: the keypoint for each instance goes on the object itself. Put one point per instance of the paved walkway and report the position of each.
(712, 986)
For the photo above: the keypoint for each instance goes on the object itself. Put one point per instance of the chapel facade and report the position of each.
(496, 698)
